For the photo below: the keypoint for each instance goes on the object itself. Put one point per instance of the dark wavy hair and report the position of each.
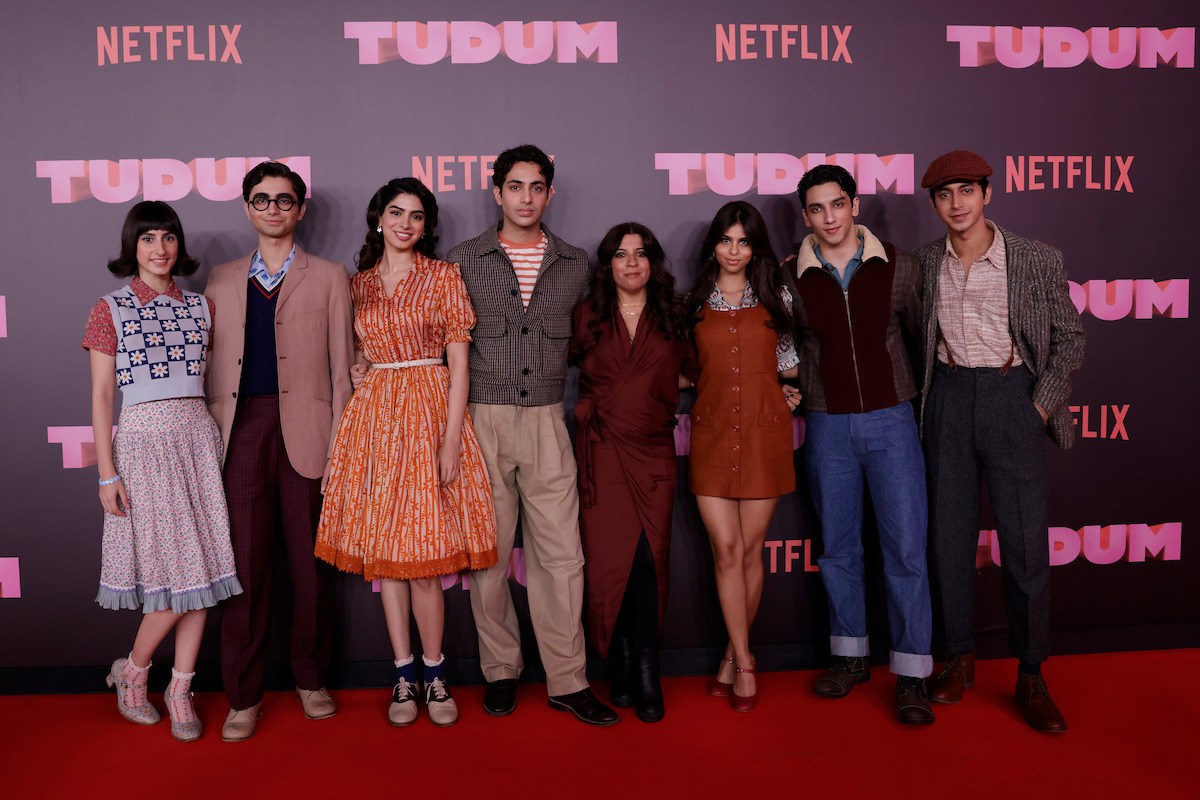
(763, 271)
(273, 169)
(661, 297)
(150, 215)
(372, 249)
(522, 153)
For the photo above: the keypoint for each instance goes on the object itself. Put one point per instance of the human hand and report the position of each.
(358, 373)
(114, 498)
(325, 475)
(448, 458)
(791, 396)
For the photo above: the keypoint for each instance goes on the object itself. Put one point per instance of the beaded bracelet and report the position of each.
(113, 479)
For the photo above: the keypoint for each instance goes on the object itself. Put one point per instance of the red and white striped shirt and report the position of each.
(527, 263)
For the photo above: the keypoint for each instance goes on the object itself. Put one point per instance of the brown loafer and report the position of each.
(956, 677)
(843, 675)
(317, 703)
(1033, 701)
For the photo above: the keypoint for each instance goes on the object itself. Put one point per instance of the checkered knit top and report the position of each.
(161, 345)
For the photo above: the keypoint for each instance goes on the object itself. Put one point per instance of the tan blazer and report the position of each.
(314, 342)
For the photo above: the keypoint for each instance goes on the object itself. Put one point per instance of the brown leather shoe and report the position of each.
(1033, 700)
(843, 675)
(239, 725)
(912, 704)
(956, 677)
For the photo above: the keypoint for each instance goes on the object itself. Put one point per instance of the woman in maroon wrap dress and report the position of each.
(628, 335)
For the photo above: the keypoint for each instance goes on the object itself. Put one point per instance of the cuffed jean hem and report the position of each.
(850, 646)
(911, 665)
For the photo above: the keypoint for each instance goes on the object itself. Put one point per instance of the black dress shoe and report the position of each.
(500, 699)
(649, 687)
(586, 707)
(620, 671)
(912, 702)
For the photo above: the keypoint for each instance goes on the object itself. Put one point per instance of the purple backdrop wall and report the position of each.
(658, 113)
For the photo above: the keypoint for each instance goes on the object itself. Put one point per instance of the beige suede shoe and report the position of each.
(443, 711)
(403, 710)
(317, 703)
(239, 725)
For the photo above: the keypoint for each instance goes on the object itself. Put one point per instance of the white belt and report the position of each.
(420, 362)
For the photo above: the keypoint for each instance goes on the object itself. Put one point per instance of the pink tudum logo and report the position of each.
(121, 44)
(1140, 299)
(778, 173)
(1099, 544)
(10, 577)
(1062, 48)
(156, 178)
(474, 42)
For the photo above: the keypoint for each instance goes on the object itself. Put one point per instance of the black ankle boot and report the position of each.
(620, 671)
(649, 687)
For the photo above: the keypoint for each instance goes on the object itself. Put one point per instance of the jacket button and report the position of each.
(235, 395)
(514, 293)
(239, 362)
(524, 393)
(525, 371)
(524, 330)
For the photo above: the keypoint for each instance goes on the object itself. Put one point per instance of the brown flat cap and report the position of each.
(957, 165)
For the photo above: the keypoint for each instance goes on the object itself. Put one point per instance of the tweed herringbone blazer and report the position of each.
(518, 355)
(1042, 320)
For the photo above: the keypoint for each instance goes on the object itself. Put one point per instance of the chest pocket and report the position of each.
(556, 335)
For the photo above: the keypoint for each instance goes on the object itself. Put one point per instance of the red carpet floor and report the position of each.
(1133, 720)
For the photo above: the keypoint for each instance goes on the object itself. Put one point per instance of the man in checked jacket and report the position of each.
(1002, 338)
(524, 283)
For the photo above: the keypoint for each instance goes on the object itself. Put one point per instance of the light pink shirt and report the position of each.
(973, 309)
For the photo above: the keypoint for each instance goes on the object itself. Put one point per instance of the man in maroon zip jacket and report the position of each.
(858, 318)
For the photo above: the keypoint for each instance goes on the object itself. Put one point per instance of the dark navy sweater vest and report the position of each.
(260, 370)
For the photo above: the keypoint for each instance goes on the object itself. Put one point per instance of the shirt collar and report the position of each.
(995, 254)
(145, 293)
(258, 270)
(716, 300)
(854, 262)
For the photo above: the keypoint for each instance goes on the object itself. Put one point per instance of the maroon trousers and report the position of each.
(268, 499)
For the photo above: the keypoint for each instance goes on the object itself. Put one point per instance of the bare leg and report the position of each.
(189, 630)
(154, 628)
(396, 606)
(755, 516)
(429, 607)
(721, 518)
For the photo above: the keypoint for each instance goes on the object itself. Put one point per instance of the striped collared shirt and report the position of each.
(973, 308)
(527, 263)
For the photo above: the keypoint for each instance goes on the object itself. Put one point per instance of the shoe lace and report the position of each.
(436, 691)
(403, 691)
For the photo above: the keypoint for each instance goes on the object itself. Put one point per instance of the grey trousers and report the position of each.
(980, 423)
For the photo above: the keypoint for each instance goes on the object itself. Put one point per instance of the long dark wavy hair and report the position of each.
(763, 271)
(372, 249)
(150, 215)
(661, 297)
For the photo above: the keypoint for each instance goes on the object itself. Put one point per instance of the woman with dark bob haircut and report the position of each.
(166, 529)
(408, 498)
(632, 346)
(151, 215)
(741, 446)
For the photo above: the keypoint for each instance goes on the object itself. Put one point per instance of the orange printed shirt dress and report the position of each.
(385, 514)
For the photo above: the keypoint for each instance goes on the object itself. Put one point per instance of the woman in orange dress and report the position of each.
(741, 445)
(408, 498)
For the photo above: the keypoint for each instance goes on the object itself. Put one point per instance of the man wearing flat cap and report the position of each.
(1002, 338)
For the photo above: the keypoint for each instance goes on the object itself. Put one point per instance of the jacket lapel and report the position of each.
(296, 273)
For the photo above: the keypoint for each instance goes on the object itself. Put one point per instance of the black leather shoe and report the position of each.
(843, 675)
(912, 702)
(586, 707)
(620, 671)
(649, 688)
(500, 699)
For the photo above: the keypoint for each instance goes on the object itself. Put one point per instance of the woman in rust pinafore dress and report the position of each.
(741, 440)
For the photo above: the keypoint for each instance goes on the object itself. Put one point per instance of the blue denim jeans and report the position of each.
(881, 447)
